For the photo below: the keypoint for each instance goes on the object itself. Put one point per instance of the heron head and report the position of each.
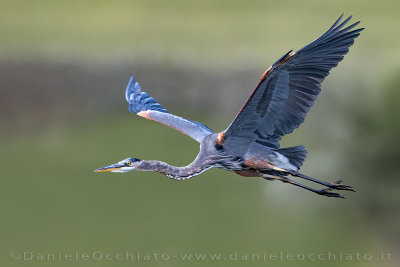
(125, 165)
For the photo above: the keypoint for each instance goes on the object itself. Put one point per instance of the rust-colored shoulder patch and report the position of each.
(144, 114)
(285, 58)
(277, 64)
(220, 138)
(266, 73)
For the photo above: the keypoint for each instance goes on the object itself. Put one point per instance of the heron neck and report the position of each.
(176, 173)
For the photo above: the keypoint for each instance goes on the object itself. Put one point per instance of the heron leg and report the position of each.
(335, 185)
(324, 192)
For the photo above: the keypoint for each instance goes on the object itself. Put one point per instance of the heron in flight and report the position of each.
(278, 105)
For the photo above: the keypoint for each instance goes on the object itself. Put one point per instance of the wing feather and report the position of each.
(144, 105)
(288, 89)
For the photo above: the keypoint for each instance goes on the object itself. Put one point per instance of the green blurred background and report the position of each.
(64, 66)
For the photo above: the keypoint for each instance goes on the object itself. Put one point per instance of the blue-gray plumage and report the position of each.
(144, 105)
(278, 105)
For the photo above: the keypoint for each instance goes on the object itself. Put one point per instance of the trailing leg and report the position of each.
(335, 185)
(324, 192)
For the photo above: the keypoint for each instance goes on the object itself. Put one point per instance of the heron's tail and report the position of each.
(295, 154)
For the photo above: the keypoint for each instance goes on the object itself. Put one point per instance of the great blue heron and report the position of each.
(278, 105)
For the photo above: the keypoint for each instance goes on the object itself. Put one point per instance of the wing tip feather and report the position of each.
(133, 87)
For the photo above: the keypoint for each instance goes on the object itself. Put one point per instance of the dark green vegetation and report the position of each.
(63, 71)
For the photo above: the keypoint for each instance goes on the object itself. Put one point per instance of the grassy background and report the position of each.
(63, 68)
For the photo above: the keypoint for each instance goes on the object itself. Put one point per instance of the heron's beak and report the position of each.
(109, 168)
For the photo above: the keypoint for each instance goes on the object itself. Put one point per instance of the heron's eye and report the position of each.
(128, 163)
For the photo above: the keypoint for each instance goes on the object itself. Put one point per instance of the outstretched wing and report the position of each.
(142, 104)
(288, 89)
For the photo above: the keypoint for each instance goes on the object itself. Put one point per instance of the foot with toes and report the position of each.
(339, 186)
(328, 193)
